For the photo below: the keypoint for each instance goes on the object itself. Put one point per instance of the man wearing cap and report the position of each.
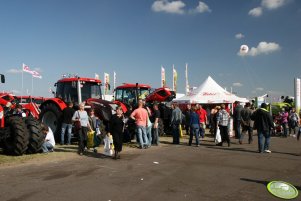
(263, 122)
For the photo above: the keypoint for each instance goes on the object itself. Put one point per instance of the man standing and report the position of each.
(222, 122)
(263, 122)
(237, 119)
(246, 123)
(155, 120)
(140, 115)
(203, 119)
(176, 120)
(187, 114)
(67, 123)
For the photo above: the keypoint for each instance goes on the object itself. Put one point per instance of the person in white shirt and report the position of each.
(49, 141)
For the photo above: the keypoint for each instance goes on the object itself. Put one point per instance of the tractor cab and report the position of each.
(78, 89)
(130, 93)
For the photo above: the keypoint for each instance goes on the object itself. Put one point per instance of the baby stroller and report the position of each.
(277, 124)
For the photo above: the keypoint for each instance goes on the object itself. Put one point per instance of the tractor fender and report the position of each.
(122, 105)
(58, 102)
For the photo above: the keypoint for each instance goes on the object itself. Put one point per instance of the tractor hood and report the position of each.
(102, 108)
(163, 94)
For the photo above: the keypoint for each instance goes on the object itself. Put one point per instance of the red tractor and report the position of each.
(75, 89)
(19, 133)
(127, 96)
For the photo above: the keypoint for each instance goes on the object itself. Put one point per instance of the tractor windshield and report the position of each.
(90, 90)
(68, 91)
(129, 96)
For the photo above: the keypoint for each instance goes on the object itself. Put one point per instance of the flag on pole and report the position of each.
(186, 77)
(114, 80)
(163, 80)
(36, 74)
(175, 79)
(26, 69)
(107, 83)
(96, 76)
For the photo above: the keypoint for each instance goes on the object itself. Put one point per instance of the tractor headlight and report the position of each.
(1, 114)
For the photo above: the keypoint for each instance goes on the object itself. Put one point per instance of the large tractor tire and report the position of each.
(51, 115)
(17, 141)
(36, 137)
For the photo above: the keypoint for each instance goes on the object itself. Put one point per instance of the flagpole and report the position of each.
(22, 85)
(173, 78)
(31, 85)
(186, 75)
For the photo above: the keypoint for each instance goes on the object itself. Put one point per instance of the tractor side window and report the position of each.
(118, 94)
(129, 96)
(90, 90)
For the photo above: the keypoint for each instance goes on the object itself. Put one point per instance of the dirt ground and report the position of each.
(165, 172)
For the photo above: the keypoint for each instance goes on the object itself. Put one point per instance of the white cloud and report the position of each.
(14, 71)
(262, 48)
(259, 89)
(273, 4)
(237, 84)
(169, 7)
(256, 12)
(201, 8)
(239, 36)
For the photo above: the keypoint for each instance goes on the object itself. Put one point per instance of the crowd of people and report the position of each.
(195, 119)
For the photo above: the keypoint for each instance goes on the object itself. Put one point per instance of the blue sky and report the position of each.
(135, 37)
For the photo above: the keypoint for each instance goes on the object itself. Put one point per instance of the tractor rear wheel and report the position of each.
(36, 137)
(17, 141)
(51, 115)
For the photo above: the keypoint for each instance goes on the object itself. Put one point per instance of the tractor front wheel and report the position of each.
(36, 137)
(17, 140)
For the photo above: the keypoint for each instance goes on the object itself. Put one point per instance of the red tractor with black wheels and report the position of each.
(18, 134)
(127, 96)
(75, 89)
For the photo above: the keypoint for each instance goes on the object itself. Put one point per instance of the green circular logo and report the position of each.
(282, 190)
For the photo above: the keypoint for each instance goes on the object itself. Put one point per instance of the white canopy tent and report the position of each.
(209, 93)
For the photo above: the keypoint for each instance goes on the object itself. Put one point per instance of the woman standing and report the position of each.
(116, 128)
(81, 116)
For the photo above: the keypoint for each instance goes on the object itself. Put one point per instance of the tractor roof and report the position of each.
(129, 85)
(85, 79)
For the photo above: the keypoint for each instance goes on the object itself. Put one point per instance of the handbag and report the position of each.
(77, 124)
(218, 138)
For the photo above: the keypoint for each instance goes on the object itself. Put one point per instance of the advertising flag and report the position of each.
(297, 94)
(107, 83)
(163, 80)
(175, 79)
(114, 80)
(186, 77)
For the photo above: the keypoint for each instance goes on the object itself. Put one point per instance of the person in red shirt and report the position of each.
(203, 119)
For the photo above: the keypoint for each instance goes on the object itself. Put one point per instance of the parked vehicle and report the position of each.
(75, 89)
(18, 134)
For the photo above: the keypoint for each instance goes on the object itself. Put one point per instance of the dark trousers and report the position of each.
(82, 139)
(237, 128)
(224, 134)
(194, 132)
(248, 129)
(175, 134)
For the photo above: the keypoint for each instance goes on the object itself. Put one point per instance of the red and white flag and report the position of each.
(36, 74)
(26, 69)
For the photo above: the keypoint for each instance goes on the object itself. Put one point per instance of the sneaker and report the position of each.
(267, 151)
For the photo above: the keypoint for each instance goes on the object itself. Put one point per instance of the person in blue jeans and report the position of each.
(263, 122)
(67, 123)
(194, 127)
